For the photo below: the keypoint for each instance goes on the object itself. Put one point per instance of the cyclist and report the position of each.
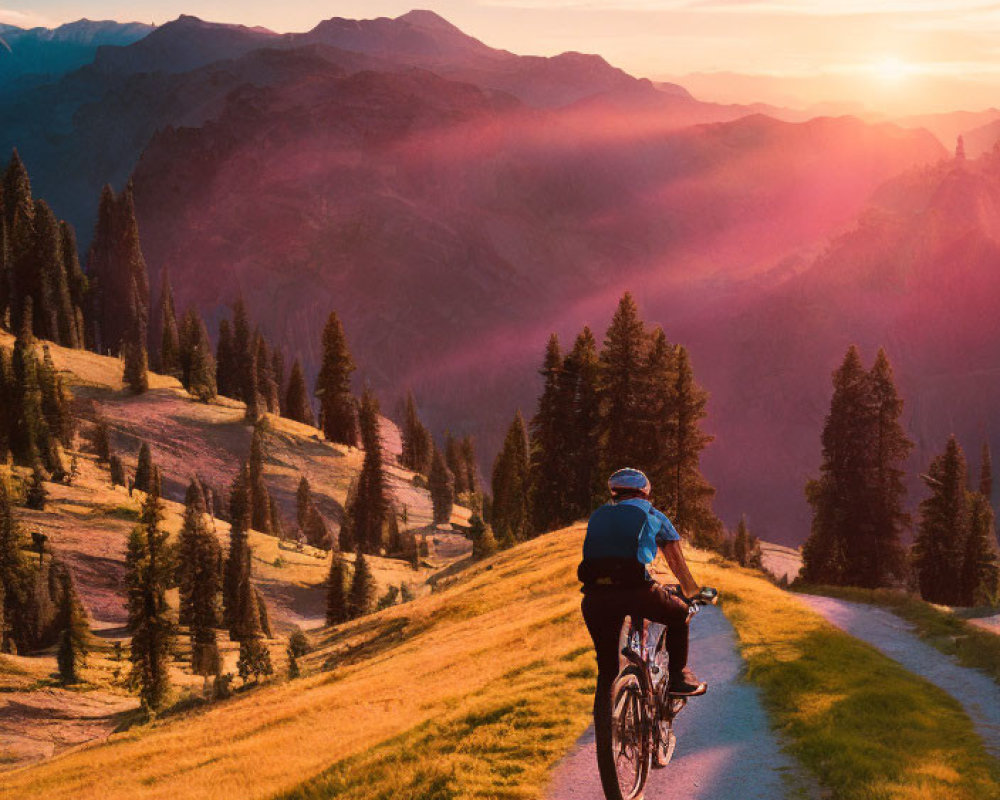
(622, 538)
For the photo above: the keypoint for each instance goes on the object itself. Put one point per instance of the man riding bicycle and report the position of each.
(622, 538)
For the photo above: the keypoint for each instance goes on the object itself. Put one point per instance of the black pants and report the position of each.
(604, 611)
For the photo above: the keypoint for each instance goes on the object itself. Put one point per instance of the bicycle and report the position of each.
(642, 713)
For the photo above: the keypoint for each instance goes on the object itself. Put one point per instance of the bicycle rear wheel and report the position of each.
(623, 751)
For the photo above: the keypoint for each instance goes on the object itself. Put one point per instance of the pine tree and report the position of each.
(483, 542)
(237, 567)
(119, 296)
(858, 515)
(370, 510)
(226, 370)
(417, 444)
(117, 470)
(622, 361)
(135, 374)
(101, 440)
(297, 405)
(303, 503)
(440, 482)
(13, 575)
(980, 571)
(267, 387)
(169, 358)
(260, 498)
(838, 496)
(510, 485)
(467, 450)
(255, 407)
(147, 577)
(549, 471)
(243, 350)
(363, 593)
(19, 211)
(333, 386)
(76, 280)
(881, 558)
(336, 592)
(72, 625)
(986, 473)
(144, 469)
(939, 549)
(581, 372)
(197, 364)
(278, 374)
(690, 497)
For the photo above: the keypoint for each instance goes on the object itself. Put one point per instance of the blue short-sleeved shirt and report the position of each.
(631, 528)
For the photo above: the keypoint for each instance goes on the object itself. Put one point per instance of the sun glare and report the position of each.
(891, 70)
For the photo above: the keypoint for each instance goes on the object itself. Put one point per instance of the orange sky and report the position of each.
(897, 56)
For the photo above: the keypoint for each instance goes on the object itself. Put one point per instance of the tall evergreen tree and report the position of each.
(986, 473)
(333, 386)
(167, 345)
(198, 370)
(858, 515)
(227, 372)
(690, 495)
(467, 450)
(336, 591)
(622, 361)
(980, 575)
(72, 624)
(581, 376)
(441, 484)
(278, 374)
(13, 576)
(243, 350)
(135, 374)
(369, 512)
(881, 557)
(255, 405)
(144, 469)
(364, 591)
(260, 498)
(76, 280)
(267, 387)
(236, 576)
(297, 405)
(549, 471)
(417, 444)
(939, 549)
(510, 482)
(303, 502)
(118, 276)
(147, 577)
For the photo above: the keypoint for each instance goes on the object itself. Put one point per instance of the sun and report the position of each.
(891, 70)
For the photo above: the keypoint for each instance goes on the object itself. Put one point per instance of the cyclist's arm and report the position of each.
(678, 565)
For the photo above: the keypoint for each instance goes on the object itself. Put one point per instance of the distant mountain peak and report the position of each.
(424, 18)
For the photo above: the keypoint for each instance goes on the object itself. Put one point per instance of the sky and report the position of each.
(893, 56)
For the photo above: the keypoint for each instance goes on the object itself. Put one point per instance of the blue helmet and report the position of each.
(629, 480)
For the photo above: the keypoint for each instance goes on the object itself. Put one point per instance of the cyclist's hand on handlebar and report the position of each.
(706, 597)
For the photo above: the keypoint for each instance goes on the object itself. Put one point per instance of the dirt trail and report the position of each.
(978, 694)
(725, 746)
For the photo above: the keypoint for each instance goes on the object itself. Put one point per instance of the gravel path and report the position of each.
(893, 636)
(725, 747)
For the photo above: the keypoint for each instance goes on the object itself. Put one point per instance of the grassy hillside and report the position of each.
(88, 523)
(476, 690)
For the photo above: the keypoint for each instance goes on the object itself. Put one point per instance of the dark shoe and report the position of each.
(685, 684)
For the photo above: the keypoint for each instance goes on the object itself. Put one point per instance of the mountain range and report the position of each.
(455, 203)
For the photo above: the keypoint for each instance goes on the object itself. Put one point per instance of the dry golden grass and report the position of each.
(390, 672)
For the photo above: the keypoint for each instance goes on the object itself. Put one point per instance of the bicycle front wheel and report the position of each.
(624, 764)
